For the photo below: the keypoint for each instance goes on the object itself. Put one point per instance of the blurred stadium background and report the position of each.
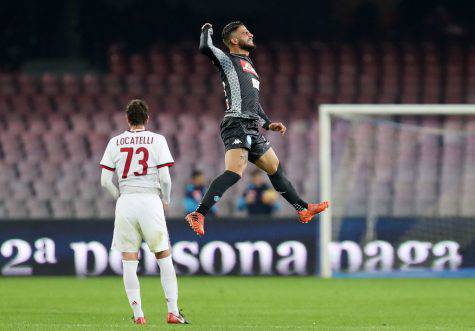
(68, 68)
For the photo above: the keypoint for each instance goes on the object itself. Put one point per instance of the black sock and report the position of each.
(215, 191)
(285, 188)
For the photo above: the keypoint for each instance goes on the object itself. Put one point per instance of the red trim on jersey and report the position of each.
(165, 165)
(107, 168)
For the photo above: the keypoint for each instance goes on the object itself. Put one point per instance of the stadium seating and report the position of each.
(55, 127)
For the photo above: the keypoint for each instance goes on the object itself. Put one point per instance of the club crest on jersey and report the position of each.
(247, 67)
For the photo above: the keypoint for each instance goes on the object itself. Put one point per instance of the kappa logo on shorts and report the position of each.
(247, 67)
(237, 141)
(249, 139)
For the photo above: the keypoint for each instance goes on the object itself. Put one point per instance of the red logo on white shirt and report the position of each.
(247, 67)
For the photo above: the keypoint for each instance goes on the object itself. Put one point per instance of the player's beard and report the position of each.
(247, 46)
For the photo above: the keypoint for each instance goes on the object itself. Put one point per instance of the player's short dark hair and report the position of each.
(228, 29)
(137, 112)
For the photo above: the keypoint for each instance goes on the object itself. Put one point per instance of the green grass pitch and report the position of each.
(242, 303)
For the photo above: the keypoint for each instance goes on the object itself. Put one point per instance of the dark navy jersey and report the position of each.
(240, 81)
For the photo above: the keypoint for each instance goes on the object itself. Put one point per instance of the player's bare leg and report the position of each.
(270, 164)
(130, 262)
(236, 162)
(170, 286)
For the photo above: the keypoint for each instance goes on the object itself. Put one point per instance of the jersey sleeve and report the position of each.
(165, 158)
(207, 48)
(107, 161)
(264, 117)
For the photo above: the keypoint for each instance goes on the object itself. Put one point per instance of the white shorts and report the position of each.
(140, 216)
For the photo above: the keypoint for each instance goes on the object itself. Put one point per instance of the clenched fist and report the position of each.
(207, 26)
(279, 127)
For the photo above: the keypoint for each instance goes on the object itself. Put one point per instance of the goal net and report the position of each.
(401, 181)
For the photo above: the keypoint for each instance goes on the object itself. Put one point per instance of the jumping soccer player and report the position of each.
(240, 126)
(141, 159)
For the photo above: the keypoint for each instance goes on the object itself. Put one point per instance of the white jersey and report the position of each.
(136, 156)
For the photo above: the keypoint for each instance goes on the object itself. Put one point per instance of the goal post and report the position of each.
(327, 113)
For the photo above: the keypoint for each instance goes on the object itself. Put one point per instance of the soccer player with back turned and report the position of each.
(240, 126)
(140, 159)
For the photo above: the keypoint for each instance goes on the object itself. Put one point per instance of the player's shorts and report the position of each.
(244, 133)
(138, 217)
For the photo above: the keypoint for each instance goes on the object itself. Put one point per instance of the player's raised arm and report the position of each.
(205, 39)
(206, 45)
